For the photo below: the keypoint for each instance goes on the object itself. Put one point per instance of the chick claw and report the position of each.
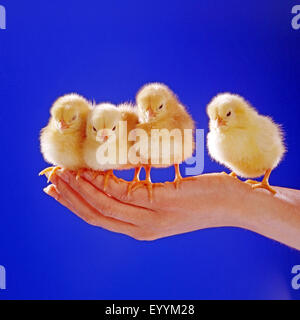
(177, 181)
(232, 174)
(109, 174)
(252, 182)
(264, 184)
(178, 178)
(52, 170)
(134, 181)
(147, 182)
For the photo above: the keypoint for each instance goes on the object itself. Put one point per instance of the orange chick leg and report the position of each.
(147, 182)
(264, 183)
(178, 177)
(135, 179)
(109, 174)
(50, 169)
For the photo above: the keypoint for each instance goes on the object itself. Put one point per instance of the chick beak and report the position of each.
(63, 125)
(150, 113)
(102, 137)
(220, 122)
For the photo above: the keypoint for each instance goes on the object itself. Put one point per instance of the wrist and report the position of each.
(276, 217)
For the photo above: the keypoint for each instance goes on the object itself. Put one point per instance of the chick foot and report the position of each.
(147, 182)
(109, 174)
(231, 174)
(135, 180)
(50, 169)
(253, 182)
(264, 184)
(178, 178)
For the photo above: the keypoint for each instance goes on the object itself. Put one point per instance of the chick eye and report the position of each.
(114, 128)
(94, 129)
(160, 107)
(228, 114)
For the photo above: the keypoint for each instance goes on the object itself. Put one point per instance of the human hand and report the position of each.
(197, 204)
(210, 200)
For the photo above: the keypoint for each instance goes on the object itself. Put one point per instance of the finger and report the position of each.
(108, 205)
(164, 194)
(139, 197)
(52, 192)
(75, 203)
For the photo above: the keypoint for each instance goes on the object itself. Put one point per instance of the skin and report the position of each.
(209, 200)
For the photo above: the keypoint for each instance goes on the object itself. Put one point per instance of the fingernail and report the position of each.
(47, 190)
(51, 191)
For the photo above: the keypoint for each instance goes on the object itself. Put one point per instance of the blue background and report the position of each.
(106, 50)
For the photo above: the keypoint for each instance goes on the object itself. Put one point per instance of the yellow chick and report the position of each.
(62, 139)
(106, 145)
(159, 108)
(249, 144)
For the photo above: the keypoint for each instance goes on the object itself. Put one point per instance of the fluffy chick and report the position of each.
(103, 127)
(249, 144)
(159, 108)
(62, 139)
